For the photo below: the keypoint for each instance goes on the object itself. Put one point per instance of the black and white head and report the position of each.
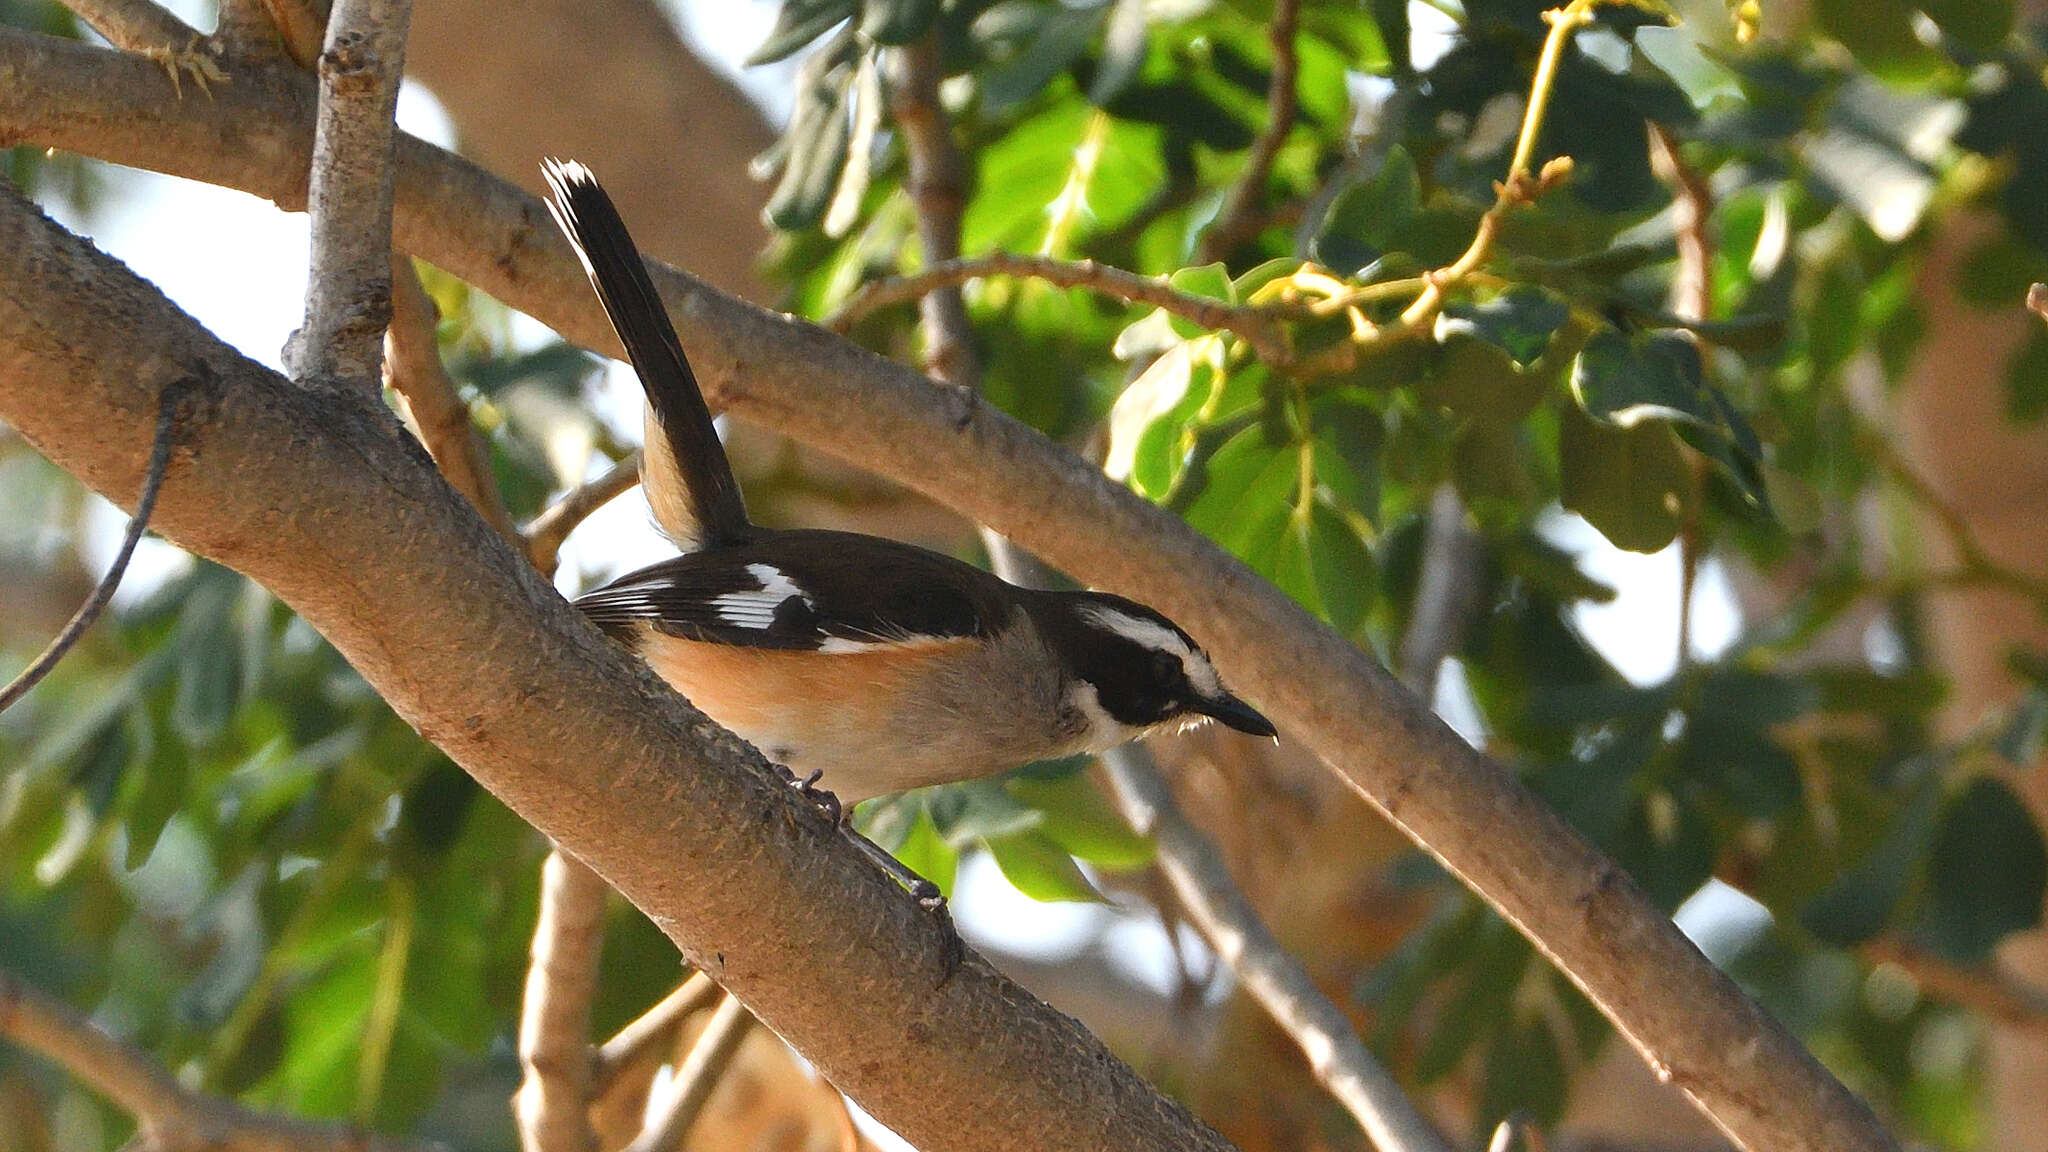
(1134, 670)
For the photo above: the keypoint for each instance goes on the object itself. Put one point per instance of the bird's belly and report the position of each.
(869, 722)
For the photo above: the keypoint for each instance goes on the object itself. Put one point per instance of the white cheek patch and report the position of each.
(1104, 731)
(1159, 638)
(756, 609)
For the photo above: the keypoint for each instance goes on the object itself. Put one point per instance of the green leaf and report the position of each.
(1520, 321)
(896, 21)
(1979, 26)
(926, 853)
(817, 138)
(1211, 281)
(1631, 483)
(1343, 569)
(1880, 34)
(1148, 424)
(977, 810)
(1041, 869)
(1623, 381)
(1081, 821)
(1526, 1071)
(1859, 904)
(1986, 873)
(2026, 379)
(797, 24)
(1668, 846)
(1476, 381)
(1367, 219)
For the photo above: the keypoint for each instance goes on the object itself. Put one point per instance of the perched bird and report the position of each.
(867, 665)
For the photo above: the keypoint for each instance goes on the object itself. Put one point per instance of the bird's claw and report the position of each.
(192, 60)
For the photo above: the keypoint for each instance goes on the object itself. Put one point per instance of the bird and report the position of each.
(864, 666)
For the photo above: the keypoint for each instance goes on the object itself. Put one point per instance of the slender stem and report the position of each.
(1256, 326)
(103, 592)
(554, 1021)
(699, 1074)
(654, 1029)
(413, 369)
(938, 188)
(1692, 301)
(544, 533)
(1237, 220)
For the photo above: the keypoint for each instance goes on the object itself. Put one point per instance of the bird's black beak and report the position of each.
(1237, 714)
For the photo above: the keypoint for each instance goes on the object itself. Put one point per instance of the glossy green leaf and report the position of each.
(1629, 483)
(1520, 321)
(977, 810)
(1976, 25)
(797, 24)
(1082, 822)
(1624, 380)
(1041, 869)
(1367, 219)
(926, 853)
(894, 22)
(1986, 872)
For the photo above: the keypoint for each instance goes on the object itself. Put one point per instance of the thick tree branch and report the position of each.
(325, 499)
(1688, 1020)
(348, 295)
(552, 1105)
(171, 1118)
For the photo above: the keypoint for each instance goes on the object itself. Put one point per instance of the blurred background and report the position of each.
(1760, 608)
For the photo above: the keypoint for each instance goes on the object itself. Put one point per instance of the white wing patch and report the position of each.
(756, 609)
(1158, 637)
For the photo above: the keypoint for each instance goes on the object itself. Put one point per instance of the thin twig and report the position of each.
(938, 190)
(654, 1029)
(348, 295)
(1976, 566)
(413, 368)
(1218, 909)
(1985, 991)
(1444, 594)
(1236, 221)
(1255, 326)
(2037, 300)
(103, 592)
(699, 1074)
(1336, 1056)
(1521, 186)
(171, 1117)
(1692, 208)
(544, 533)
(554, 1020)
(1518, 1133)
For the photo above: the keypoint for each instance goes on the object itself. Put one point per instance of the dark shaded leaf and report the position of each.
(1986, 873)
(1520, 321)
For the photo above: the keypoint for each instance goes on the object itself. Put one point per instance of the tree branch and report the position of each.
(413, 368)
(171, 1118)
(1681, 1014)
(1237, 221)
(1336, 1056)
(553, 1101)
(938, 190)
(324, 498)
(1443, 594)
(708, 1060)
(1253, 325)
(348, 296)
(545, 533)
(654, 1029)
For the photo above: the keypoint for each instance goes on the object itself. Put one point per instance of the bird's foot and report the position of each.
(195, 60)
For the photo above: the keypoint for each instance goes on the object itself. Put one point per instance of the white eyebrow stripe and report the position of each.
(757, 609)
(1151, 634)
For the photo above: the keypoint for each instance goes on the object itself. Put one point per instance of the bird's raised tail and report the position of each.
(683, 468)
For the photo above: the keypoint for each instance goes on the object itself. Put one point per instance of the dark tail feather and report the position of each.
(692, 449)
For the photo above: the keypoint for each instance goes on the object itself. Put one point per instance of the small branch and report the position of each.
(1218, 909)
(938, 189)
(1521, 186)
(654, 1030)
(2037, 300)
(1976, 568)
(1443, 594)
(300, 29)
(103, 592)
(545, 533)
(1213, 903)
(554, 1022)
(1986, 991)
(1237, 221)
(1255, 326)
(136, 26)
(348, 297)
(700, 1073)
(413, 368)
(1692, 207)
(171, 1118)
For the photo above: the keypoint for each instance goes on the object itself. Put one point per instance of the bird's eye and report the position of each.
(1165, 665)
